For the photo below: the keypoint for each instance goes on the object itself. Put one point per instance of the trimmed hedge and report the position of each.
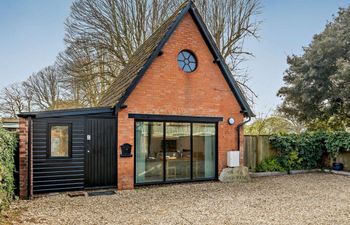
(306, 150)
(8, 145)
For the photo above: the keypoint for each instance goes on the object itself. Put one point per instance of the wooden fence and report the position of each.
(257, 148)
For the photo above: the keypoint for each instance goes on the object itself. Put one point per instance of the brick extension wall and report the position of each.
(23, 158)
(166, 89)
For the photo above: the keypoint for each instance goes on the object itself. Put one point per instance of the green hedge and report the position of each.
(269, 164)
(8, 145)
(306, 150)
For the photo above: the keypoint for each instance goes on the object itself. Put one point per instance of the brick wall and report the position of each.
(166, 89)
(23, 158)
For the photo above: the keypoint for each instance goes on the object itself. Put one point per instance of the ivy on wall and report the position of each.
(306, 150)
(338, 142)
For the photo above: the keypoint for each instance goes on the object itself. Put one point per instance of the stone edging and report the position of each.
(269, 174)
(344, 173)
(266, 174)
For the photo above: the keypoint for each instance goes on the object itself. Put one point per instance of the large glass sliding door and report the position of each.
(178, 151)
(174, 151)
(149, 152)
(204, 143)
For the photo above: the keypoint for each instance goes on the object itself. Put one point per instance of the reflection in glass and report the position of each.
(203, 150)
(178, 151)
(167, 156)
(59, 141)
(149, 152)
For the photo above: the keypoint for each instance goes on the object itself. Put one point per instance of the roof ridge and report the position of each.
(176, 12)
(141, 55)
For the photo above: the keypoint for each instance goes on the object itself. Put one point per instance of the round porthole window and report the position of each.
(187, 61)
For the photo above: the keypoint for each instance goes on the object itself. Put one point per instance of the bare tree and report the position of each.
(266, 124)
(231, 22)
(27, 96)
(85, 78)
(101, 36)
(12, 101)
(115, 27)
(44, 87)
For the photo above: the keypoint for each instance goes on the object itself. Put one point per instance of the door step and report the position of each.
(101, 193)
(77, 194)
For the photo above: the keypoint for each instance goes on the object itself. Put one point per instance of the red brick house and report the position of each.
(171, 115)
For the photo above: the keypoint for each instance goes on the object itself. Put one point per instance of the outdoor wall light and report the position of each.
(231, 121)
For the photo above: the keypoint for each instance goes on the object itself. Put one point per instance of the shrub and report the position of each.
(269, 164)
(287, 151)
(292, 161)
(306, 150)
(311, 147)
(8, 144)
(338, 142)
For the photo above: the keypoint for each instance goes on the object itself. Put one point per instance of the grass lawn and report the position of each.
(294, 199)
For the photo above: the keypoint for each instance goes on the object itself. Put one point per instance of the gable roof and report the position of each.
(143, 57)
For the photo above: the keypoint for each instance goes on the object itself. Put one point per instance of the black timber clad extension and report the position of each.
(60, 174)
(57, 174)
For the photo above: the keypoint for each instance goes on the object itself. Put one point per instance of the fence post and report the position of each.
(257, 148)
(250, 151)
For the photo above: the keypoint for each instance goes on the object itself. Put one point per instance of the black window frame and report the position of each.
(50, 125)
(188, 64)
(179, 119)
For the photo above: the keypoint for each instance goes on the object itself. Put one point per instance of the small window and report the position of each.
(60, 136)
(187, 61)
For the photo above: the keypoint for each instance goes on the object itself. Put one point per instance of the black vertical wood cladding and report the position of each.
(53, 175)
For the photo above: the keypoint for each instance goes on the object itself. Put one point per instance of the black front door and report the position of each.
(100, 153)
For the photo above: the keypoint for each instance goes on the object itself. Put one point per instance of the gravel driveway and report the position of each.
(294, 199)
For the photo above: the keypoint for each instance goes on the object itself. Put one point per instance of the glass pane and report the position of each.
(187, 69)
(178, 151)
(180, 57)
(191, 59)
(181, 64)
(186, 54)
(59, 141)
(149, 152)
(192, 66)
(204, 144)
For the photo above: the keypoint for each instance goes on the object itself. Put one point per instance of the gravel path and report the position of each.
(294, 199)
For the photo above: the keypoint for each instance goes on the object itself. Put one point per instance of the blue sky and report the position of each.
(288, 25)
(32, 34)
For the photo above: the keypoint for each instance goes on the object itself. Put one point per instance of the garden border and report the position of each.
(293, 172)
